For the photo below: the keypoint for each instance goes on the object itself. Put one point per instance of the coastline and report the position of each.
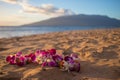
(9, 32)
(99, 52)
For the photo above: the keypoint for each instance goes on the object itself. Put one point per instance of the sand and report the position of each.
(99, 52)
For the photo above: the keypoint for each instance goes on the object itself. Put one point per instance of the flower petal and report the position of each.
(52, 64)
(8, 58)
(52, 51)
(19, 54)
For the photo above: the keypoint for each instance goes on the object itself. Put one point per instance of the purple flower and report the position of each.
(46, 58)
(68, 58)
(52, 64)
(74, 55)
(57, 58)
(77, 67)
(71, 69)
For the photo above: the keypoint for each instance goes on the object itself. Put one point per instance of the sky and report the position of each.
(19, 12)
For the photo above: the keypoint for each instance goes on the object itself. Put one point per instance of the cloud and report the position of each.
(11, 1)
(44, 9)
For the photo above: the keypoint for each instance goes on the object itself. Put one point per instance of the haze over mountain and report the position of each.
(78, 20)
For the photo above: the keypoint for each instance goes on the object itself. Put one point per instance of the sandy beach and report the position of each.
(99, 52)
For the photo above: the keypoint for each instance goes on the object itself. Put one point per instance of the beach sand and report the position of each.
(99, 52)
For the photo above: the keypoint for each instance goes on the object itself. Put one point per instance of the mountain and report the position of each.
(78, 20)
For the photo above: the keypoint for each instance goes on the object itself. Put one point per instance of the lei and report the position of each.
(46, 58)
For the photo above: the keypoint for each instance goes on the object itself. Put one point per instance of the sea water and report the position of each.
(8, 32)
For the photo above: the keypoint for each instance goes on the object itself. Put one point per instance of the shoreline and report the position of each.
(99, 52)
(61, 31)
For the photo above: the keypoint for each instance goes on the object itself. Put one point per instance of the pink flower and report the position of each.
(44, 64)
(12, 62)
(22, 58)
(52, 51)
(30, 58)
(46, 58)
(28, 61)
(38, 52)
(43, 53)
(19, 54)
(11, 59)
(8, 58)
(20, 61)
(33, 57)
(74, 55)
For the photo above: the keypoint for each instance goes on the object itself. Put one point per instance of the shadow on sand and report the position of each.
(34, 72)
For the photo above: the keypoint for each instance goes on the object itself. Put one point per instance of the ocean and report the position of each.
(8, 32)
